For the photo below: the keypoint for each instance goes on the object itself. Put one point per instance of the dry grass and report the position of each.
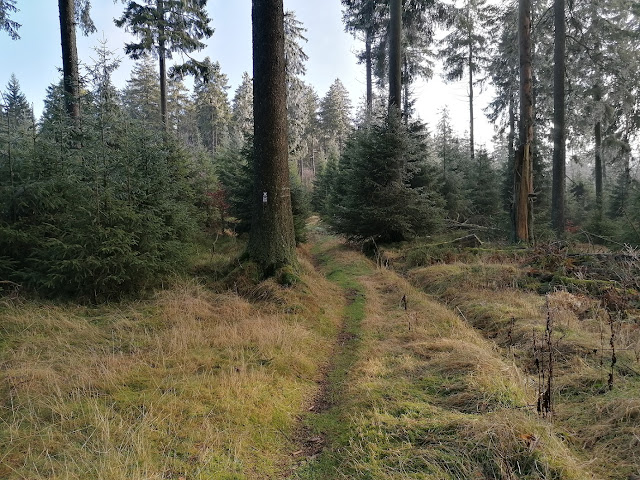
(508, 317)
(191, 384)
(203, 385)
(431, 399)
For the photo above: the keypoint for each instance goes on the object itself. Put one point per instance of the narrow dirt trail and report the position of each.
(319, 425)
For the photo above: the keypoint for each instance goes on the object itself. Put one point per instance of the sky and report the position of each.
(36, 59)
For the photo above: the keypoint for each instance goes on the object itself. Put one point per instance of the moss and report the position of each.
(243, 278)
(287, 276)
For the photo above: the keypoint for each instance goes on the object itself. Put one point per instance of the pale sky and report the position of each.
(36, 58)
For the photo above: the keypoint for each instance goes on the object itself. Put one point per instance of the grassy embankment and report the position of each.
(497, 293)
(427, 397)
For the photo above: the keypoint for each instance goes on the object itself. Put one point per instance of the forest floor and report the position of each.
(429, 363)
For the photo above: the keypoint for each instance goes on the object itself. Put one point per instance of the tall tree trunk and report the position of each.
(163, 67)
(272, 239)
(405, 84)
(511, 157)
(471, 133)
(598, 163)
(445, 142)
(511, 138)
(523, 169)
(559, 147)
(395, 58)
(69, 58)
(368, 62)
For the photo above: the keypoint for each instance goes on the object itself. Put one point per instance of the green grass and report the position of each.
(332, 424)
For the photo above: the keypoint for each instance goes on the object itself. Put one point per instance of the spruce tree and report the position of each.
(7, 7)
(165, 27)
(335, 115)
(295, 59)
(384, 188)
(242, 113)
(16, 105)
(272, 238)
(141, 96)
(212, 107)
(465, 48)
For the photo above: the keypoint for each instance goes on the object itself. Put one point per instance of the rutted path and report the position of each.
(416, 393)
(324, 421)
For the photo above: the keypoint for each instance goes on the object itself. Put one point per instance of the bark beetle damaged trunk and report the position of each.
(523, 171)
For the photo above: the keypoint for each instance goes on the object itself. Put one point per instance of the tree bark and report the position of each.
(598, 163)
(559, 147)
(70, 71)
(405, 81)
(511, 159)
(471, 135)
(272, 238)
(523, 169)
(511, 138)
(395, 58)
(163, 67)
(368, 62)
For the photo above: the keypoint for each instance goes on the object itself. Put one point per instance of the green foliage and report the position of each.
(84, 234)
(164, 28)
(383, 187)
(335, 110)
(213, 112)
(235, 172)
(483, 190)
(453, 156)
(465, 47)
(10, 26)
(300, 206)
(141, 96)
(323, 186)
(241, 126)
(100, 214)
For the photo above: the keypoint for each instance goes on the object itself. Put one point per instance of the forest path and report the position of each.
(412, 391)
(324, 421)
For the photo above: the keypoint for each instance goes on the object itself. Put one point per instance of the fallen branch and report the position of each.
(606, 239)
(471, 226)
